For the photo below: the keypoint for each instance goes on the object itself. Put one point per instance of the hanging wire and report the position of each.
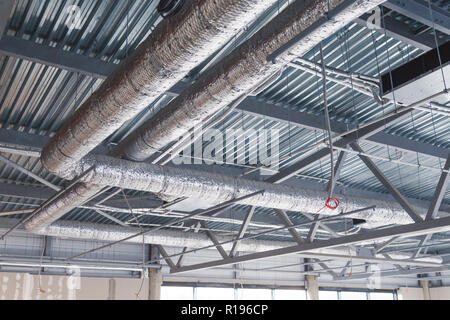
(437, 45)
(44, 245)
(327, 119)
(143, 242)
(441, 67)
(389, 60)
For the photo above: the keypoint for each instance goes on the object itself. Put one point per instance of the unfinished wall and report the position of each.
(23, 286)
(410, 294)
(442, 293)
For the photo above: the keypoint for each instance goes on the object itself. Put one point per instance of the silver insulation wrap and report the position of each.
(71, 198)
(240, 72)
(90, 231)
(245, 67)
(217, 188)
(174, 48)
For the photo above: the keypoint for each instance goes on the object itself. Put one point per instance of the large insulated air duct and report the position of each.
(174, 48)
(217, 188)
(245, 67)
(242, 71)
(90, 231)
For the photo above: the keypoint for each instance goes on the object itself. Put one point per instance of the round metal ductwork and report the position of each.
(168, 8)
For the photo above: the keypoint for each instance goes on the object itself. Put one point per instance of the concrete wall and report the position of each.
(22, 286)
(442, 293)
(410, 294)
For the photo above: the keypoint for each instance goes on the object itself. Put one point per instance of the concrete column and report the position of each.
(426, 289)
(312, 287)
(112, 289)
(154, 285)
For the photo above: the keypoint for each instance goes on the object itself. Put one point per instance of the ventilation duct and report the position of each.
(241, 71)
(245, 67)
(89, 231)
(174, 48)
(182, 182)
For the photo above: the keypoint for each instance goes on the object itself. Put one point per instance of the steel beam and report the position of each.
(242, 230)
(21, 143)
(441, 189)
(438, 196)
(337, 171)
(410, 230)
(392, 190)
(54, 57)
(110, 217)
(29, 173)
(214, 240)
(385, 244)
(419, 10)
(181, 258)
(422, 245)
(254, 107)
(401, 32)
(288, 223)
(5, 10)
(66, 60)
(28, 144)
(364, 133)
(218, 208)
(164, 254)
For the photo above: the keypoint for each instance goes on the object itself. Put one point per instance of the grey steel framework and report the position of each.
(388, 151)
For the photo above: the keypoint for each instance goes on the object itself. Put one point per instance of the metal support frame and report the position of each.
(5, 10)
(214, 240)
(242, 230)
(288, 223)
(440, 191)
(110, 217)
(419, 10)
(164, 254)
(401, 32)
(384, 245)
(218, 208)
(28, 173)
(66, 60)
(185, 249)
(364, 133)
(392, 190)
(269, 111)
(436, 202)
(415, 229)
(337, 171)
(344, 270)
(30, 145)
(76, 63)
